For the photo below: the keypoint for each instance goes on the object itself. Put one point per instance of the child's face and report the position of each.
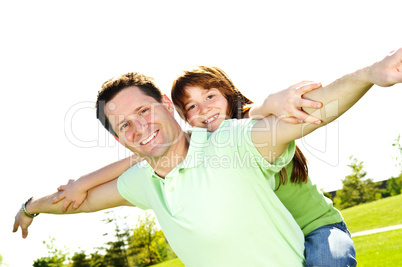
(205, 108)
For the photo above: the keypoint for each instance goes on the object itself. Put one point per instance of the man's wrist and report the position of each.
(23, 207)
(364, 76)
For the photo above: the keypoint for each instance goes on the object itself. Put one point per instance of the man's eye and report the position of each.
(124, 126)
(145, 110)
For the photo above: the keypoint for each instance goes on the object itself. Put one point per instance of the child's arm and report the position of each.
(288, 104)
(75, 192)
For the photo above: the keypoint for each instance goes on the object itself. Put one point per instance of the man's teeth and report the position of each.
(146, 141)
(211, 119)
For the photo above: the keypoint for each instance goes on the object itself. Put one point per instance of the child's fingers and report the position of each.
(306, 103)
(301, 84)
(59, 197)
(76, 205)
(305, 87)
(61, 188)
(66, 204)
(292, 120)
(305, 117)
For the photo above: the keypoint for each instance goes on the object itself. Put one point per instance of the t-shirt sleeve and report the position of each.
(240, 131)
(281, 161)
(132, 184)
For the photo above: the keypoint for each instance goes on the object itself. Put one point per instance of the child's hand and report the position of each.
(288, 104)
(72, 194)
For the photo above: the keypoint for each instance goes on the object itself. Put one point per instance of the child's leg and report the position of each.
(330, 245)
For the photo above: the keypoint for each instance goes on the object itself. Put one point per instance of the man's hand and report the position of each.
(71, 194)
(23, 221)
(388, 71)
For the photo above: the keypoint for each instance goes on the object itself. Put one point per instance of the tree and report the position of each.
(394, 185)
(356, 189)
(96, 260)
(398, 158)
(116, 253)
(80, 260)
(55, 258)
(148, 245)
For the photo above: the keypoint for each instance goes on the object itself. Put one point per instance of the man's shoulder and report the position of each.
(140, 168)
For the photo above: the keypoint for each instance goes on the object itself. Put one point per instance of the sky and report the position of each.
(54, 56)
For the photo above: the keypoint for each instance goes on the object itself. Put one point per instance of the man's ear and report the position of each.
(118, 140)
(168, 103)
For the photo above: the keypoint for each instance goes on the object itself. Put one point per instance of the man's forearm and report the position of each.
(336, 98)
(100, 197)
(44, 205)
(340, 95)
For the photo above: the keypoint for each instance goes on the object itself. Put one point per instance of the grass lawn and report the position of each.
(382, 249)
(171, 263)
(380, 213)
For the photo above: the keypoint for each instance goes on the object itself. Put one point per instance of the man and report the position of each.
(206, 187)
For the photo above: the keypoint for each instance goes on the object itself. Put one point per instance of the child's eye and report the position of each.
(191, 107)
(210, 96)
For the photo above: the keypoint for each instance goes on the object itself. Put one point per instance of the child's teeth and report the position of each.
(211, 119)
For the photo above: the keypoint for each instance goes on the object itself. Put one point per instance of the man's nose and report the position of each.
(140, 125)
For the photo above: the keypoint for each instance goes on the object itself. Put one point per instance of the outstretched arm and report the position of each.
(75, 192)
(101, 197)
(289, 104)
(271, 136)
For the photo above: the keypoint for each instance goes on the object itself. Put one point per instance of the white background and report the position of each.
(54, 56)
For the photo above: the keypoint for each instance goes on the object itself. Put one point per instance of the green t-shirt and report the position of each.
(308, 206)
(217, 207)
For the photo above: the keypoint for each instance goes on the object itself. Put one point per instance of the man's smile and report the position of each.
(150, 138)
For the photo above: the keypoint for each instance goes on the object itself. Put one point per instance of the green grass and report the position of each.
(170, 263)
(382, 249)
(380, 213)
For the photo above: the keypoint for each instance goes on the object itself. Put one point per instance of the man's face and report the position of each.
(143, 125)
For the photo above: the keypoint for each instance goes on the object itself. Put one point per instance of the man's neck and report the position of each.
(175, 155)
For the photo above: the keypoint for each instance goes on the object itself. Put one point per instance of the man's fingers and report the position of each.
(16, 225)
(24, 233)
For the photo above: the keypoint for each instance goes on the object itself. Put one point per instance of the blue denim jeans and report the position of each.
(330, 245)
